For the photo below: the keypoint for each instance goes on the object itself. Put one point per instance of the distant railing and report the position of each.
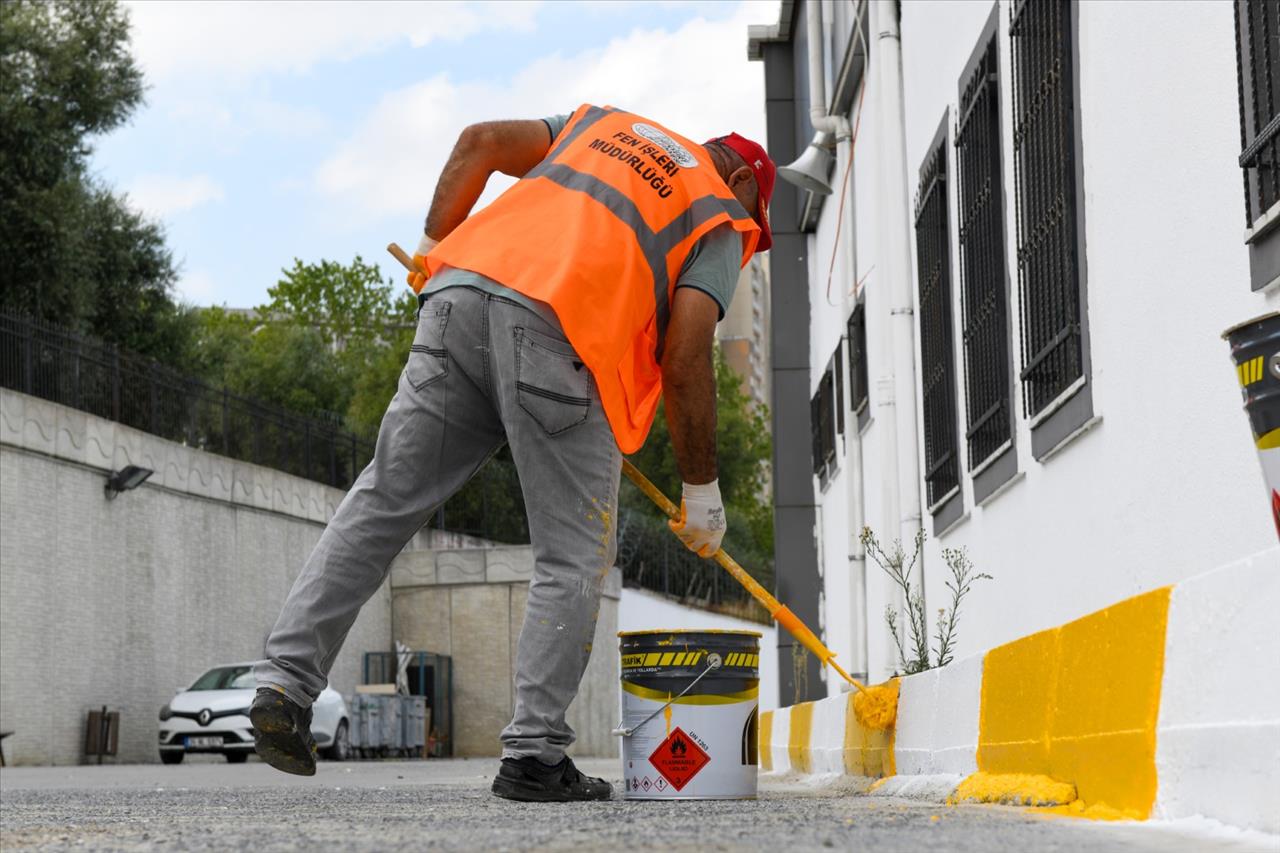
(652, 558)
(56, 364)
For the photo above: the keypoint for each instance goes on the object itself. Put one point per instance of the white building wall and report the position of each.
(1167, 484)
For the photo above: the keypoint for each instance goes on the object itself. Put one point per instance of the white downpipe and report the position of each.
(898, 387)
(854, 475)
(818, 115)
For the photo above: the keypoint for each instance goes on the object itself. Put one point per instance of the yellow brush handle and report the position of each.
(782, 615)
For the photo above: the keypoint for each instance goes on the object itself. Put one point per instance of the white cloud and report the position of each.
(162, 195)
(197, 287)
(240, 39)
(695, 79)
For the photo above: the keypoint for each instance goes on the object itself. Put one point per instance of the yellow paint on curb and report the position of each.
(1077, 705)
(798, 737)
(868, 751)
(766, 740)
(1016, 789)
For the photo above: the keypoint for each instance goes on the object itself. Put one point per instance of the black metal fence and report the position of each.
(55, 364)
(84, 373)
(651, 558)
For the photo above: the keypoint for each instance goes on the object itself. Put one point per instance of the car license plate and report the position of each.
(196, 742)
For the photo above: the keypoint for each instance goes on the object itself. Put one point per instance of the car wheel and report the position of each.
(237, 757)
(341, 748)
(172, 757)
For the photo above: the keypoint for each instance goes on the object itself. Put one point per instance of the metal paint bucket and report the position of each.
(690, 703)
(1255, 349)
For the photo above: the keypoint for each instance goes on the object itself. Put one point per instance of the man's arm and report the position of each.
(689, 388)
(689, 383)
(510, 147)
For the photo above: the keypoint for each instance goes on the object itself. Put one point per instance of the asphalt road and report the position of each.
(446, 805)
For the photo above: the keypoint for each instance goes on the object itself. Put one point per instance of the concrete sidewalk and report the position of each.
(446, 805)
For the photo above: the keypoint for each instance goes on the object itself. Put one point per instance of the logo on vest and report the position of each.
(674, 149)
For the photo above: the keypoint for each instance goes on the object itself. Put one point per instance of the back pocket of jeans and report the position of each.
(428, 359)
(552, 384)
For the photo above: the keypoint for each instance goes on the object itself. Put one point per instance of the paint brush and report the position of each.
(875, 707)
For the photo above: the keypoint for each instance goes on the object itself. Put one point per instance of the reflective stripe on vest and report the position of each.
(582, 229)
(655, 245)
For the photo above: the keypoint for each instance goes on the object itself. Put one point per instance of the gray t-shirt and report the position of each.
(712, 266)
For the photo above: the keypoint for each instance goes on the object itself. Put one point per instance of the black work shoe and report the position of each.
(531, 781)
(282, 733)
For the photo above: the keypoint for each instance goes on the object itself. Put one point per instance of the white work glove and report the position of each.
(701, 525)
(417, 278)
(426, 244)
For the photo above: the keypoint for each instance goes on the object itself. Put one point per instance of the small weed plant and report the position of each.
(916, 655)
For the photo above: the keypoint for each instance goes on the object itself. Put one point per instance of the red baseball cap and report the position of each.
(757, 159)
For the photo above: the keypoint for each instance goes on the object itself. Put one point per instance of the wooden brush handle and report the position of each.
(399, 255)
(782, 615)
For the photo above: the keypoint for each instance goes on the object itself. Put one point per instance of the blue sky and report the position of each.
(316, 130)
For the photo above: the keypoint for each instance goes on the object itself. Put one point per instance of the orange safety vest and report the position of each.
(600, 230)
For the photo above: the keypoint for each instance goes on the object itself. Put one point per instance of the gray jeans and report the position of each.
(483, 371)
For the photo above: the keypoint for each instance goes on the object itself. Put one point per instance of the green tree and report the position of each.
(366, 321)
(350, 304)
(74, 253)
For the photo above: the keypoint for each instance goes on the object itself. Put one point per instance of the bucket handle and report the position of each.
(713, 662)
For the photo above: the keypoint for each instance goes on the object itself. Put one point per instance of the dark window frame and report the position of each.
(1058, 417)
(822, 421)
(837, 369)
(939, 412)
(985, 300)
(859, 385)
(1259, 161)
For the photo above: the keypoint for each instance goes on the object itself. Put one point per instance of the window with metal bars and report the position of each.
(1258, 79)
(937, 359)
(983, 283)
(1045, 155)
(822, 422)
(837, 369)
(856, 332)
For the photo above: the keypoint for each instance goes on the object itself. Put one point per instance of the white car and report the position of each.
(212, 716)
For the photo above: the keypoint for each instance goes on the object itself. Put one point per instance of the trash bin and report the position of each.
(413, 725)
(102, 733)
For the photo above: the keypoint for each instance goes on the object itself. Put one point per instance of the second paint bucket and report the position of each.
(699, 746)
(1255, 349)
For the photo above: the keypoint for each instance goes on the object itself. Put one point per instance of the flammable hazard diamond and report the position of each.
(678, 759)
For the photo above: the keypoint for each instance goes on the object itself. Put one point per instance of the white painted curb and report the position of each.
(1217, 737)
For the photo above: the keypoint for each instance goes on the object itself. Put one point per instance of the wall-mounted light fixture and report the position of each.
(127, 478)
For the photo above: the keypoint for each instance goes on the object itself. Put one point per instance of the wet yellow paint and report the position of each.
(666, 715)
(1015, 789)
(798, 738)
(877, 706)
(868, 751)
(1077, 705)
(766, 740)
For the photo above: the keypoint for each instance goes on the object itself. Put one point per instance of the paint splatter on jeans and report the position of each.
(483, 371)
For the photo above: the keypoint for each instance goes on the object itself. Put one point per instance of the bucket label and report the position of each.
(678, 759)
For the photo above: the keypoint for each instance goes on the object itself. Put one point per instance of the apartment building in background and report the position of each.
(743, 333)
(1012, 237)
